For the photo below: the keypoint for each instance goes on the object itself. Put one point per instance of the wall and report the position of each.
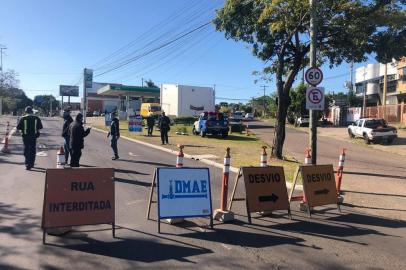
(195, 96)
(169, 99)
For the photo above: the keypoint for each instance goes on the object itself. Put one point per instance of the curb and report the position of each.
(173, 152)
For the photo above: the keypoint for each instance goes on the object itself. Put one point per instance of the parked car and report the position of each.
(211, 123)
(237, 115)
(302, 121)
(249, 116)
(96, 113)
(372, 130)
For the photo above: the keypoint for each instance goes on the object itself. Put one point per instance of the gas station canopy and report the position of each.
(130, 91)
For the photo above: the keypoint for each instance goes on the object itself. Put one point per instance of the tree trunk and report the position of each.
(283, 98)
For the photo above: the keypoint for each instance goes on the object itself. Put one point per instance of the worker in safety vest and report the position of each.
(29, 125)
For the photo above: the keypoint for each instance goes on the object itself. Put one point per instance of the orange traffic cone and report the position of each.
(60, 158)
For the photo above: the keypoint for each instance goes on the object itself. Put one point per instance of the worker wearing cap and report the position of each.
(65, 131)
(164, 126)
(150, 123)
(115, 134)
(29, 125)
(76, 139)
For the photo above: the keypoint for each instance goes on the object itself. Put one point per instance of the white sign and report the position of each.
(183, 192)
(314, 76)
(315, 98)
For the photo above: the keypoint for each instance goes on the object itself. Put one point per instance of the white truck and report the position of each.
(185, 100)
(372, 130)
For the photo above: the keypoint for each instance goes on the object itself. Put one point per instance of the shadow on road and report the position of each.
(372, 194)
(132, 182)
(129, 171)
(135, 249)
(376, 175)
(147, 162)
(376, 208)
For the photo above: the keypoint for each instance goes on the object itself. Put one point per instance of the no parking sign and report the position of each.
(315, 98)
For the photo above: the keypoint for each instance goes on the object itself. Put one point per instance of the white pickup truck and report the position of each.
(372, 130)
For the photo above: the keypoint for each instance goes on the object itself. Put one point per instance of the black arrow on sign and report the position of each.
(272, 198)
(321, 192)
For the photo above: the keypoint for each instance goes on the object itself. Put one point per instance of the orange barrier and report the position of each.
(224, 182)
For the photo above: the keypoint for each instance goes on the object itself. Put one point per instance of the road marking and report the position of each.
(132, 154)
(42, 154)
(42, 146)
(134, 202)
(226, 247)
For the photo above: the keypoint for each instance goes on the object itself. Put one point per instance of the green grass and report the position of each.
(245, 150)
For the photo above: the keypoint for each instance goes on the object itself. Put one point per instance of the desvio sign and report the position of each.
(183, 192)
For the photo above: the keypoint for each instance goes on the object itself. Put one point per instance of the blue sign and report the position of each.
(184, 192)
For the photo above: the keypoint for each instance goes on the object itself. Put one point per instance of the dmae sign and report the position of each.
(183, 192)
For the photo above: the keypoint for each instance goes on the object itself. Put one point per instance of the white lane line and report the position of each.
(132, 154)
(42, 154)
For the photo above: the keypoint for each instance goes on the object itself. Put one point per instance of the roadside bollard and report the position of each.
(60, 158)
(308, 158)
(264, 157)
(179, 158)
(5, 148)
(179, 164)
(222, 214)
(339, 174)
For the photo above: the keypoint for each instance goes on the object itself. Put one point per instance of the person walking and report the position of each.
(76, 139)
(164, 126)
(65, 132)
(150, 123)
(29, 125)
(115, 134)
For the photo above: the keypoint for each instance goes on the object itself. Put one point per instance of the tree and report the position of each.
(43, 103)
(297, 104)
(278, 32)
(150, 83)
(13, 98)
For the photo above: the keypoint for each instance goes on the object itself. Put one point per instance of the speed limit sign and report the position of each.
(314, 76)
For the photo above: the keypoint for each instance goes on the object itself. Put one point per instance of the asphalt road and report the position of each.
(374, 181)
(350, 240)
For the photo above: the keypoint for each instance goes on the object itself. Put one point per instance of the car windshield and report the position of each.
(375, 123)
(155, 108)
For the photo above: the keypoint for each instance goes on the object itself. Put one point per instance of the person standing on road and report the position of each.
(115, 134)
(164, 126)
(76, 139)
(65, 132)
(29, 125)
(150, 123)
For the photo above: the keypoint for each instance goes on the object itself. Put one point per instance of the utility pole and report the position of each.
(385, 89)
(1, 58)
(263, 101)
(50, 106)
(352, 76)
(313, 64)
(364, 98)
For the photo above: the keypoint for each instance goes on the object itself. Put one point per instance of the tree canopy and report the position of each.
(13, 98)
(278, 33)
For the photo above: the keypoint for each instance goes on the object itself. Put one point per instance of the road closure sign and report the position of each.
(80, 196)
(183, 192)
(315, 98)
(265, 188)
(319, 184)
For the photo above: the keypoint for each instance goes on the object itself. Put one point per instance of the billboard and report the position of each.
(69, 90)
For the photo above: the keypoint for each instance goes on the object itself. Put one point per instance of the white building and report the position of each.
(369, 78)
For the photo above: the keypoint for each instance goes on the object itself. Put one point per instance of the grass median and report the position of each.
(245, 150)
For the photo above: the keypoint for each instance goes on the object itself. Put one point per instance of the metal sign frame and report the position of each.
(155, 183)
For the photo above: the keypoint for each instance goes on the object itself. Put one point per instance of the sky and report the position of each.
(50, 42)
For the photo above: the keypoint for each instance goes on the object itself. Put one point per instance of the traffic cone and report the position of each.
(5, 148)
(179, 158)
(264, 157)
(339, 174)
(308, 158)
(60, 158)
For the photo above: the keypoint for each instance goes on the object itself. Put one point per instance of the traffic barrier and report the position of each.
(302, 198)
(223, 214)
(340, 171)
(60, 158)
(179, 157)
(264, 158)
(5, 148)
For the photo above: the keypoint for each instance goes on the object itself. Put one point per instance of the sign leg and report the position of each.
(211, 222)
(309, 210)
(248, 212)
(113, 227)
(159, 225)
(150, 195)
(289, 213)
(294, 183)
(234, 189)
(339, 207)
(43, 236)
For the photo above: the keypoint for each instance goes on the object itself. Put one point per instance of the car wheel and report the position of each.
(202, 134)
(224, 135)
(390, 141)
(194, 131)
(366, 139)
(350, 134)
